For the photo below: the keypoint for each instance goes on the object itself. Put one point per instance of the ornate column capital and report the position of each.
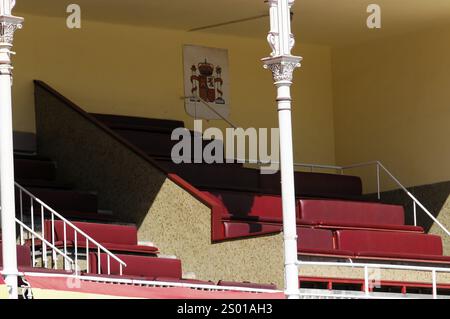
(8, 25)
(282, 67)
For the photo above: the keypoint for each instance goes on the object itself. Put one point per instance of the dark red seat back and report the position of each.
(315, 239)
(102, 233)
(328, 185)
(230, 177)
(336, 211)
(315, 185)
(139, 266)
(389, 242)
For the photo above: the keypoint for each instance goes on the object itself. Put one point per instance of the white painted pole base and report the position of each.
(8, 25)
(7, 187)
(282, 68)
(288, 190)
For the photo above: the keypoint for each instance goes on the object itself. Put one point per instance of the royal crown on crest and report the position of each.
(206, 68)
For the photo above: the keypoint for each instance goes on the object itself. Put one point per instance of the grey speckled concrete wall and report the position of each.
(139, 193)
(435, 197)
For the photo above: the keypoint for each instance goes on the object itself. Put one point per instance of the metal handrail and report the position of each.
(416, 202)
(209, 106)
(366, 267)
(66, 223)
(341, 169)
(65, 256)
(379, 166)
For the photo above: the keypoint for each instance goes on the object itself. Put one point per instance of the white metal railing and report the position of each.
(211, 108)
(378, 165)
(67, 260)
(46, 213)
(343, 294)
(341, 169)
(366, 267)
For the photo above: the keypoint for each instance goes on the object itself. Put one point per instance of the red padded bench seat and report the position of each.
(143, 267)
(339, 214)
(248, 214)
(319, 242)
(233, 229)
(337, 211)
(316, 185)
(390, 245)
(389, 242)
(352, 226)
(310, 241)
(231, 177)
(116, 238)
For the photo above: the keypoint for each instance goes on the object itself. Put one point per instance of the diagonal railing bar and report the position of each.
(23, 226)
(67, 226)
(379, 167)
(210, 107)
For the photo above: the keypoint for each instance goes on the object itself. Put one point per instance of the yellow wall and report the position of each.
(392, 103)
(129, 70)
(386, 100)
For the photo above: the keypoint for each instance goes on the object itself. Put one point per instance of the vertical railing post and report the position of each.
(109, 264)
(366, 281)
(53, 235)
(44, 246)
(87, 256)
(415, 212)
(22, 238)
(434, 278)
(378, 181)
(8, 25)
(65, 243)
(99, 261)
(76, 250)
(33, 249)
(282, 64)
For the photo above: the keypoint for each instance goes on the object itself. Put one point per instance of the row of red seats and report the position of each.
(142, 261)
(149, 268)
(265, 212)
(233, 177)
(153, 137)
(155, 269)
(24, 261)
(116, 238)
(354, 244)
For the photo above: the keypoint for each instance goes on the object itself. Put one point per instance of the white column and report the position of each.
(282, 65)
(8, 25)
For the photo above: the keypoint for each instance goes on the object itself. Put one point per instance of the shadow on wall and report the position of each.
(93, 159)
(435, 197)
(241, 208)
